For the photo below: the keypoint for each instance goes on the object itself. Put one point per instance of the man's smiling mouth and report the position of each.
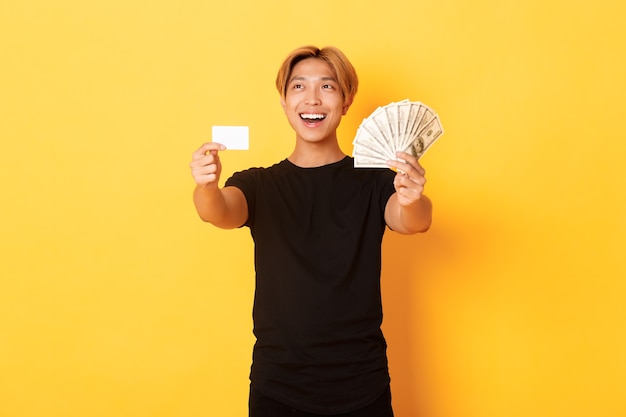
(312, 117)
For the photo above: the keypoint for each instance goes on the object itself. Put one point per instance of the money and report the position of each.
(408, 126)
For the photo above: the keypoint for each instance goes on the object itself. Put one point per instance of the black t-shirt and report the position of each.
(317, 308)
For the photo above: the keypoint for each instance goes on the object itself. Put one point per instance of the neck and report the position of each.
(310, 155)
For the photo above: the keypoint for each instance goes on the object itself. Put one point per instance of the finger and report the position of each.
(409, 179)
(409, 189)
(403, 168)
(206, 148)
(203, 160)
(204, 168)
(411, 160)
(205, 174)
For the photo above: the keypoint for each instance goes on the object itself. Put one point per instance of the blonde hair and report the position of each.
(333, 57)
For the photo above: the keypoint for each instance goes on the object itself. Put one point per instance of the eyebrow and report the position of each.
(305, 78)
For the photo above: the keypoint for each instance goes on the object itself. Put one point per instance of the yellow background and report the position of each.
(116, 300)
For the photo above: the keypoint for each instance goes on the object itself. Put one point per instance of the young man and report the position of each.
(317, 224)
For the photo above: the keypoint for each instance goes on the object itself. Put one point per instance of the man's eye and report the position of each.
(328, 87)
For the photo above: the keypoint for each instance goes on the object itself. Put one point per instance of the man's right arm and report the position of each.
(226, 207)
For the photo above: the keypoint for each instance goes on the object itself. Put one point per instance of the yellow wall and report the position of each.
(115, 300)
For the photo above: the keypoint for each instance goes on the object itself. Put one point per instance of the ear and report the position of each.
(346, 105)
(283, 104)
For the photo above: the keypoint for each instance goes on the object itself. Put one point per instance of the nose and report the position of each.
(312, 98)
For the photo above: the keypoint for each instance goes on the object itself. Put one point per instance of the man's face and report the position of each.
(313, 102)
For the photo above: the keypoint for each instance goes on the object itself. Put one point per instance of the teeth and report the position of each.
(312, 116)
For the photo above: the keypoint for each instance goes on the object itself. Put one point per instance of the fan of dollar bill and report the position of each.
(408, 126)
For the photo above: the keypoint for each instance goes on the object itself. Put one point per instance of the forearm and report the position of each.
(225, 207)
(210, 203)
(415, 218)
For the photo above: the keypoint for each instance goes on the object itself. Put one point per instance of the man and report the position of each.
(317, 224)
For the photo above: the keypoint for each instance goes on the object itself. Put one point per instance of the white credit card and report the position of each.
(233, 137)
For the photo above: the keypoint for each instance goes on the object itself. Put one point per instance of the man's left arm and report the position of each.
(408, 210)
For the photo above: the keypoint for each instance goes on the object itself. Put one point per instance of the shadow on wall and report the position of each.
(421, 269)
(419, 272)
